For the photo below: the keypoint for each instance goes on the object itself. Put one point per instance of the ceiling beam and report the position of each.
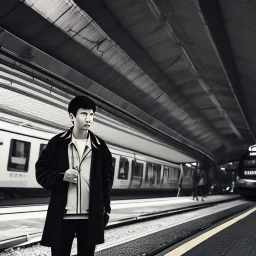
(13, 61)
(211, 15)
(99, 12)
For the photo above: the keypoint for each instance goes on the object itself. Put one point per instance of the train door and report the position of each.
(187, 177)
(170, 177)
(122, 175)
(152, 175)
(174, 177)
(37, 147)
(166, 177)
(137, 174)
(5, 180)
(115, 161)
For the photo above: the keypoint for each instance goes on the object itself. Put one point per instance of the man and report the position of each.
(195, 180)
(202, 180)
(77, 167)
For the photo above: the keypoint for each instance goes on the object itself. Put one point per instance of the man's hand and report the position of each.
(71, 176)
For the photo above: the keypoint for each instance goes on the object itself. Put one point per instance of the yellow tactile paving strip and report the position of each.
(196, 241)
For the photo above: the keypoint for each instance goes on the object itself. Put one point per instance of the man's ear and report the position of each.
(71, 116)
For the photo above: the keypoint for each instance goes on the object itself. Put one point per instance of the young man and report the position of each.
(77, 167)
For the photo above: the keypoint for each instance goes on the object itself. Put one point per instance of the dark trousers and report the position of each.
(201, 189)
(195, 188)
(69, 229)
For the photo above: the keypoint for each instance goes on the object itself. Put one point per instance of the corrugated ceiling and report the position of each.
(160, 61)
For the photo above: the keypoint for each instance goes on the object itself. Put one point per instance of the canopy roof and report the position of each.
(182, 70)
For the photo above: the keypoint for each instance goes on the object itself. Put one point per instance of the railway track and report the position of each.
(32, 239)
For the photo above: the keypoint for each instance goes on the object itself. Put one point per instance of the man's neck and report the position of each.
(80, 134)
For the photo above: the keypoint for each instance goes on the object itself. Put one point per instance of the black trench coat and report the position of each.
(50, 169)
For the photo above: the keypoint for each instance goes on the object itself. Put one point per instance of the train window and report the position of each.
(153, 173)
(170, 174)
(251, 162)
(171, 170)
(123, 169)
(176, 173)
(187, 172)
(250, 172)
(42, 147)
(113, 162)
(137, 171)
(166, 175)
(19, 156)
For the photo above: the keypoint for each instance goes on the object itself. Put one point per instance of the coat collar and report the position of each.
(67, 136)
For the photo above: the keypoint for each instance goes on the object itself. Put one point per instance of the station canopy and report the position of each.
(181, 70)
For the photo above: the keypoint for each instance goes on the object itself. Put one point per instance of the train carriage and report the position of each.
(246, 179)
(20, 148)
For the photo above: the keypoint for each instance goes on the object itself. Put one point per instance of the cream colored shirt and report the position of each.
(80, 145)
(78, 194)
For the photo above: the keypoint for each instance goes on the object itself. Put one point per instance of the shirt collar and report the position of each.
(94, 142)
(73, 141)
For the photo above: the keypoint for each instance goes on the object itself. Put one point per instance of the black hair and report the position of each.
(81, 102)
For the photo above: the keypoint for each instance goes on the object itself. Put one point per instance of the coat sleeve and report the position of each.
(45, 175)
(108, 179)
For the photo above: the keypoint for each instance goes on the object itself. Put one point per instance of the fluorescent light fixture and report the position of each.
(189, 165)
(222, 168)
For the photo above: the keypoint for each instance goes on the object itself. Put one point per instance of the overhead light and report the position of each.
(189, 165)
(222, 168)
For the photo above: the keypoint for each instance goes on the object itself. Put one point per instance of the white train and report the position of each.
(20, 148)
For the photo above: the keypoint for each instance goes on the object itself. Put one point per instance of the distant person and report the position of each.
(180, 180)
(201, 183)
(76, 166)
(195, 180)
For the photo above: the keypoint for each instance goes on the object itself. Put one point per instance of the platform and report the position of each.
(14, 223)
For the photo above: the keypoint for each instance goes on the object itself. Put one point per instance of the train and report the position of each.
(246, 176)
(21, 146)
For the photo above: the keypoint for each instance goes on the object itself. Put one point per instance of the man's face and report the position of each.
(83, 119)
